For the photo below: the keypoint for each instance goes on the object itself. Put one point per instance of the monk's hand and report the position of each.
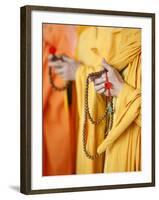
(113, 76)
(65, 67)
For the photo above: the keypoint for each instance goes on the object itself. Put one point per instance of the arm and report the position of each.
(128, 104)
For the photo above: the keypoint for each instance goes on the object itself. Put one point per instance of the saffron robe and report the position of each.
(121, 47)
(59, 134)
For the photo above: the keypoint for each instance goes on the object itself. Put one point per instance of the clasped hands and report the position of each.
(66, 68)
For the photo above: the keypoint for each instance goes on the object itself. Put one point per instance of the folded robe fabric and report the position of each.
(121, 47)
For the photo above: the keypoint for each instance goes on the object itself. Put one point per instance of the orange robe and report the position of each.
(58, 131)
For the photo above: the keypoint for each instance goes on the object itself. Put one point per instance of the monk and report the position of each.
(59, 136)
(118, 51)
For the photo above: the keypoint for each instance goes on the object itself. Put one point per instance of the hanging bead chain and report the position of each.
(108, 114)
(53, 84)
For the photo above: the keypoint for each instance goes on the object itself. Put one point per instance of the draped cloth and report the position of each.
(121, 47)
(58, 128)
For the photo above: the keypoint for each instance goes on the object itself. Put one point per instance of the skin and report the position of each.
(67, 69)
(113, 76)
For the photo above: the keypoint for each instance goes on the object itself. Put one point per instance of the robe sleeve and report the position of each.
(128, 108)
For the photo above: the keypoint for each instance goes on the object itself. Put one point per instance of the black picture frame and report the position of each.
(25, 154)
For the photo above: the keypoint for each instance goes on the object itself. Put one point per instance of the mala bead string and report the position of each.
(90, 76)
(53, 84)
(108, 114)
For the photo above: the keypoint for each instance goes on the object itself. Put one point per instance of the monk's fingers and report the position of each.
(108, 77)
(50, 57)
(104, 76)
(60, 71)
(106, 65)
(101, 91)
(55, 64)
(58, 65)
(99, 81)
(50, 64)
(99, 87)
(67, 59)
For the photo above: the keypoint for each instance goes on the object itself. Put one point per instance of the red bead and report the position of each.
(52, 50)
(108, 85)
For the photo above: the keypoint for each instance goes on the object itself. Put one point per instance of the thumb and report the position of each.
(106, 65)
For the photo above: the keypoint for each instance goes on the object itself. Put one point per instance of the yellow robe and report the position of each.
(121, 47)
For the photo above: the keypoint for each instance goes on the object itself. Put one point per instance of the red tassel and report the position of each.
(108, 86)
(52, 50)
